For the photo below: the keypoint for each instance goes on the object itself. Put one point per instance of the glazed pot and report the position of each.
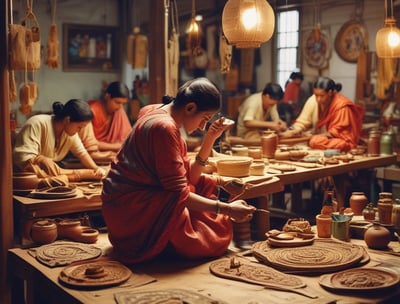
(377, 236)
(44, 231)
(358, 201)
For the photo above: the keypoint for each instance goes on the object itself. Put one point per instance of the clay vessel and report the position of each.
(269, 143)
(377, 236)
(25, 181)
(369, 213)
(358, 201)
(44, 231)
(69, 228)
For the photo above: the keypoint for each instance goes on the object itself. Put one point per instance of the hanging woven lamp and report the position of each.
(248, 23)
(388, 37)
(194, 31)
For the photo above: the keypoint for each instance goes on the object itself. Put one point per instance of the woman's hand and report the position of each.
(100, 173)
(219, 126)
(240, 211)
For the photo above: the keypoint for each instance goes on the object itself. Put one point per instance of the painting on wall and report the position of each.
(90, 48)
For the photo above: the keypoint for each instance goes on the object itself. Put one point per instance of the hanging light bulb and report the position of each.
(388, 37)
(194, 32)
(256, 22)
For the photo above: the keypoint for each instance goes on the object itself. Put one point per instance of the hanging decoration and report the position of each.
(248, 23)
(352, 37)
(52, 52)
(172, 49)
(137, 48)
(194, 32)
(388, 37)
(225, 54)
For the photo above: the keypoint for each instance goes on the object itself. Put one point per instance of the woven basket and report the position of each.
(234, 166)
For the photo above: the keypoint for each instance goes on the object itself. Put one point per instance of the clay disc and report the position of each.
(95, 273)
(360, 279)
(168, 296)
(253, 273)
(320, 257)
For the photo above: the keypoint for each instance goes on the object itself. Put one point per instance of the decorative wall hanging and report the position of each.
(90, 48)
(351, 39)
(52, 47)
(317, 52)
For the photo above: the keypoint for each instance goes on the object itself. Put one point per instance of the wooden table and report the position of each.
(337, 171)
(27, 209)
(177, 274)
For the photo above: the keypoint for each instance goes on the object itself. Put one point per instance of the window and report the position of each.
(287, 45)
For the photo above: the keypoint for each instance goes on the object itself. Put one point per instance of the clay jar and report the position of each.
(377, 236)
(44, 231)
(25, 180)
(69, 228)
(269, 143)
(358, 201)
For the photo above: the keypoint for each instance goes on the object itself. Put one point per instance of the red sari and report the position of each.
(144, 197)
(343, 121)
(113, 131)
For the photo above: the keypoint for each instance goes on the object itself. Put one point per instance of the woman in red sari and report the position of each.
(339, 119)
(155, 198)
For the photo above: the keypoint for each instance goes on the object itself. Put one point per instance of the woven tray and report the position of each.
(168, 296)
(360, 279)
(322, 256)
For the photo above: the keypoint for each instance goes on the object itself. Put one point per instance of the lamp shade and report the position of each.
(248, 23)
(388, 40)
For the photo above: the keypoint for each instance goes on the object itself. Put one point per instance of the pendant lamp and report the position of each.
(194, 32)
(388, 37)
(248, 23)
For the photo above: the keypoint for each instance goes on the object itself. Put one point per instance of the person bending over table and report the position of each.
(336, 120)
(110, 122)
(155, 199)
(45, 139)
(257, 109)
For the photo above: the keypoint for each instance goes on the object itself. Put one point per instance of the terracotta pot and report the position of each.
(44, 231)
(69, 228)
(269, 143)
(369, 213)
(358, 201)
(25, 181)
(377, 236)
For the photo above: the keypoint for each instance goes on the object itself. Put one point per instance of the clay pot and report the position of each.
(25, 181)
(377, 236)
(269, 143)
(358, 201)
(88, 235)
(44, 231)
(69, 228)
(369, 213)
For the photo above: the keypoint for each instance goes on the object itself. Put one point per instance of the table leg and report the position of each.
(260, 223)
(297, 198)
(340, 182)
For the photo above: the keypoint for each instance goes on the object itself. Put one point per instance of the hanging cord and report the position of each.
(53, 11)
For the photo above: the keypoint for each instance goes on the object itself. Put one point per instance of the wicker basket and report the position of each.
(234, 166)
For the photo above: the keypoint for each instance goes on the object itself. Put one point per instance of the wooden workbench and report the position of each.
(190, 275)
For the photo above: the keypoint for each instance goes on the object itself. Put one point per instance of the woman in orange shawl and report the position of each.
(111, 123)
(339, 119)
(155, 198)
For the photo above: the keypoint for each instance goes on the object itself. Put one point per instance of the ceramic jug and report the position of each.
(269, 143)
(358, 201)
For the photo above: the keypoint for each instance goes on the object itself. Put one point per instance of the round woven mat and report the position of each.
(253, 273)
(321, 257)
(95, 274)
(64, 253)
(168, 296)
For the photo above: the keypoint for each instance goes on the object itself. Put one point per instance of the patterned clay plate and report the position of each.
(54, 192)
(360, 279)
(320, 257)
(168, 296)
(95, 274)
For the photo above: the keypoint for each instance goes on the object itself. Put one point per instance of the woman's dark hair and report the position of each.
(296, 75)
(117, 89)
(201, 91)
(78, 110)
(327, 84)
(274, 91)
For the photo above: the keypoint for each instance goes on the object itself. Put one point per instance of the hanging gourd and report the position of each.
(52, 54)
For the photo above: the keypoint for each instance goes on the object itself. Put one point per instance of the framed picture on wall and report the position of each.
(90, 48)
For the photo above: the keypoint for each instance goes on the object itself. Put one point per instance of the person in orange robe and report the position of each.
(155, 199)
(339, 119)
(111, 124)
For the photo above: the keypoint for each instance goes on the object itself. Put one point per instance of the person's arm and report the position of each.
(264, 125)
(105, 146)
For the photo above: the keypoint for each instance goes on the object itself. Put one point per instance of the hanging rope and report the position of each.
(52, 54)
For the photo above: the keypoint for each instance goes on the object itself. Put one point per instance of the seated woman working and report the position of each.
(155, 199)
(110, 123)
(45, 139)
(337, 121)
